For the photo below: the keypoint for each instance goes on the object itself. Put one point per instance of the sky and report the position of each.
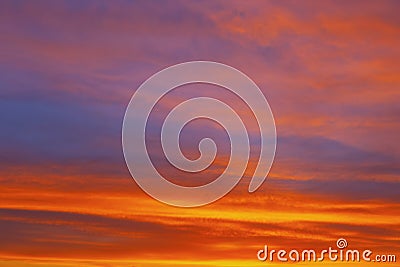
(329, 69)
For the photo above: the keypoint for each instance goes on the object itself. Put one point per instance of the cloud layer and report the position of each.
(330, 71)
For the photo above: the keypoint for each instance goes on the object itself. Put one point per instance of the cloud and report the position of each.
(328, 69)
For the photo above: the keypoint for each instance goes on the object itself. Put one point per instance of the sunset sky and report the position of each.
(329, 69)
